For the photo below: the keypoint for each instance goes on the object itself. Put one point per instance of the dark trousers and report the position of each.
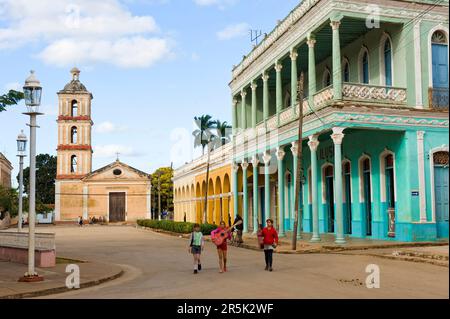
(268, 253)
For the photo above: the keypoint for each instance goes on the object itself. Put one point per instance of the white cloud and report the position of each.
(82, 31)
(108, 127)
(221, 4)
(111, 150)
(16, 86)
(234, 31)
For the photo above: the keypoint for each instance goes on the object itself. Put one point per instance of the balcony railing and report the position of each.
(373, 93)
(438, 98)
(323, 96)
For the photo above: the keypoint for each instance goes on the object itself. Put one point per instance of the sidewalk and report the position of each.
(326, 245)
(91, 274)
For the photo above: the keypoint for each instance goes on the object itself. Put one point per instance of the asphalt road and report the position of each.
(159, 266)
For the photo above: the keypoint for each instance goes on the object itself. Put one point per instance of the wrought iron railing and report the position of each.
(438, 98)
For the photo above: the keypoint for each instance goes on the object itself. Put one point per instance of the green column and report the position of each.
(244, 110)
(294, 150)
(337, 65)
(279, 90)
(311, 70)
(337, 137)
(255, 163)
(234, 115)
(235, 189)
(254, 86)
(313, 144)
(265, 78)
(245, 200)
(267, 157)
(294, 83)
(281, 185)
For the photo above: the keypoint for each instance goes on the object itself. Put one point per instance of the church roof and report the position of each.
(117, 163)
(75, 86)
(5, 160)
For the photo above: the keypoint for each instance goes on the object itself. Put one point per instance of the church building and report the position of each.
(116, 192)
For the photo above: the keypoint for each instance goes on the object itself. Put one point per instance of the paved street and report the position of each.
(158, 266)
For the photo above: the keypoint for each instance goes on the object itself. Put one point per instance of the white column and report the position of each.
(421, 171)
(418, 65)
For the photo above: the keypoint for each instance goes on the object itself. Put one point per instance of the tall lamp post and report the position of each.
(32, 92)
(21, 149)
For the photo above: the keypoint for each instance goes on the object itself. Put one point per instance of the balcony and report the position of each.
(374, 93)
(438, 98)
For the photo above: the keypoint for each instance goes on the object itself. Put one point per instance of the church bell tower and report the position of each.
(74, 130)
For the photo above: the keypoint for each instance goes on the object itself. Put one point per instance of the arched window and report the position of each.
(74, 108)
(73, 164)
(364, 66)
(73, 135)
(345, 71)
(390, 183)
(387, 59)
(326, 78)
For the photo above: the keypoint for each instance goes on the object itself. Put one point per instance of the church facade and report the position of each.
(116, 192)
(375, 139)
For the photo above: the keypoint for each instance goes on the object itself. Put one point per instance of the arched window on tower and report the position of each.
(73, 164)
(73, 135)
(74, 108)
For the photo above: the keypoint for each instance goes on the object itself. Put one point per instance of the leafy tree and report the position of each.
(162, 178)
(10, 98)
(45, 179)
(9, 200)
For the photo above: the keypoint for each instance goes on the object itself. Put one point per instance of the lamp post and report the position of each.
(21, 148)
(32, 92)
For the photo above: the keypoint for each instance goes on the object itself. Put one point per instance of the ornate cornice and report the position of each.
(74, 147)
(72, 177)
(73, 118)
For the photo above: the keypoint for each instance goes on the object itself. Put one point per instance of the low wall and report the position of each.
(14, 248)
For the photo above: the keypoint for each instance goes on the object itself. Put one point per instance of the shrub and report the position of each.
(176, 227)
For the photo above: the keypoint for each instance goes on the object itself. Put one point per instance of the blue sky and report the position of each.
(152, 65)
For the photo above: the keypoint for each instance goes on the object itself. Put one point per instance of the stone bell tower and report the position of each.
(74, 130)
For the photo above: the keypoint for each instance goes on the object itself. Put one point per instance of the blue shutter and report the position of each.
(440, 65)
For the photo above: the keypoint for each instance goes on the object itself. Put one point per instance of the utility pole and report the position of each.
(299, 169)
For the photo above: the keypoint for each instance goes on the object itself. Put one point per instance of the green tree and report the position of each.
(162, 178)
(45, 179)
(10, 98)
(9, 200)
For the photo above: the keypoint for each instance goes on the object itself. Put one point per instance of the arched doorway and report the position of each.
(198, 203)
(441, 189)
(366, 191)
(439, 61)
(210, 217)
(218, 202)
(328, 173)
(226, 213)
(346, 170)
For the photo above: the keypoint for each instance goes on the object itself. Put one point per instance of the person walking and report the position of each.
(196, 246)
(270, 241)
(239, 228)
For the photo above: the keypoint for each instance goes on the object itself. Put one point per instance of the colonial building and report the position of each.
(5, 171)
(375, 133)
(116, 192)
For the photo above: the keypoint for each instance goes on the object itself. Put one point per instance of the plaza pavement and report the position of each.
(159, 266)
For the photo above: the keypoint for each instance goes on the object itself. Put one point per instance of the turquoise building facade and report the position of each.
(375, 126)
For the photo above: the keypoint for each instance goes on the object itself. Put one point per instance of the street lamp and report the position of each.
(32, 93)
(21, 148)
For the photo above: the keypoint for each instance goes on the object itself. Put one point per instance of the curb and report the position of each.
(58, 290)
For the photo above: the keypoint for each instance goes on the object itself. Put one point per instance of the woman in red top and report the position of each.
(270, 236)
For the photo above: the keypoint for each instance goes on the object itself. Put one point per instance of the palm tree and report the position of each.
(10, 98)
(203, 137)
(203, 133)
(223, 132)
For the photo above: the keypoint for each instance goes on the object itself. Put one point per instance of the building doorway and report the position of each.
(329, 196)
(117, 207)
(348, 197)
(367, 195)
(441, 189)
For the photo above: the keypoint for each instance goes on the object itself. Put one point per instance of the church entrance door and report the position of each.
(116, 207)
